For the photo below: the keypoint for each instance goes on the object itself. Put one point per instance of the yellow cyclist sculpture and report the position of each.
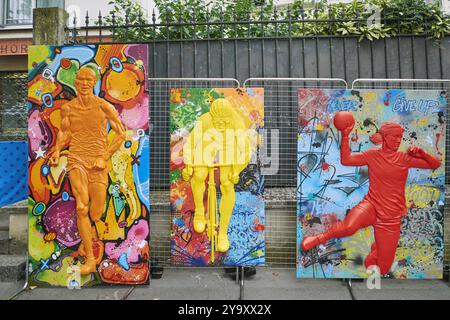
(218, 140)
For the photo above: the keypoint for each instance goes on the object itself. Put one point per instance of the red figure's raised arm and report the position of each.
(347, 157)
(419, 158)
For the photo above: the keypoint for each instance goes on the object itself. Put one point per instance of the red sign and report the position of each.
(14, 47)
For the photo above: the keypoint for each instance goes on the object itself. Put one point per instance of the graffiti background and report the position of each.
(122, 247)
(327, 190)
(246, 228)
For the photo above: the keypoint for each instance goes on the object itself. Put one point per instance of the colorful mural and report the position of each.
(209, 112)
(121, 235)
(328, 191)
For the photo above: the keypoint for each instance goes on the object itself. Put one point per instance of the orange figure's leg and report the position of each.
(79, 183)
(361, 216)
(198, 191)
(225, 208)
(97, 195)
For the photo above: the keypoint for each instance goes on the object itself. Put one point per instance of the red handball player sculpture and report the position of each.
(384, 205)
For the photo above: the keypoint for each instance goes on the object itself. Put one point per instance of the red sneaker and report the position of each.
(311, 242)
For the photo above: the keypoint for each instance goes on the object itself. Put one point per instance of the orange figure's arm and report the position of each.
(422, 159)
(116, 126)
(348, 158)
(63, 137)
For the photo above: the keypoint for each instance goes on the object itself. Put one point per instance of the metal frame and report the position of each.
(337, 80)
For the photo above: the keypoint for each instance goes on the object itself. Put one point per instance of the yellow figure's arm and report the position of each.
(188, 149)
(116, 126)
(243, 146)
(195, 138)
(192, 149)
(244, 153)
(63, 137)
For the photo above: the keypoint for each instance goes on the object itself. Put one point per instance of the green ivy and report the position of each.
(229, 19)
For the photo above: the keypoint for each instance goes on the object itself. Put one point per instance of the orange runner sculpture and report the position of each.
(83, 130)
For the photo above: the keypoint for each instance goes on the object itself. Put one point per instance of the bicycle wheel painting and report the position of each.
(88, 165)
(367, 210)
(215, 180)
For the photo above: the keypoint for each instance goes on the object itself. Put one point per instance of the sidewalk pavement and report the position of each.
(268, 283)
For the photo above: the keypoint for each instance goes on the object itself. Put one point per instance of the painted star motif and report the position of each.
(40, 153)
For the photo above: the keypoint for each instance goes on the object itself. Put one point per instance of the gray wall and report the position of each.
(402, 57)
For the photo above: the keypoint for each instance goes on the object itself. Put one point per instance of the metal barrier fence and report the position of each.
(280, 125)
(13, 106)
(280, 100)
(280, 162)
(161, 217)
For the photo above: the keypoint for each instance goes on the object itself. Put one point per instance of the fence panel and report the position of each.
(13, 106)
(280, 161)
(160, 218)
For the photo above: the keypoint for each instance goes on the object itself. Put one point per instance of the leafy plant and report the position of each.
(193, 19)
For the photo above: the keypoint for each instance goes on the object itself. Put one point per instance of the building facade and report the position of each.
(16, 25)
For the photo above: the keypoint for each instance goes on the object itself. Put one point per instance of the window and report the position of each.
(17, 12)
(50, 3)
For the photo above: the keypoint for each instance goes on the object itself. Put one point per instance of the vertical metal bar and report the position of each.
(372, 69)
(385, 52)
(426, 59)
(261, 18)
(358, 47)
(141, 24)
(208, 43)
(344, 45)
(413, 60)
(241, 287)
(221, 42)
(249, 50)
(167, 43)
(194, 19)
(113, 20)
(348, 282)
(290, 41)
(127, 13)
(99, 26)
(441, 66)
(330, 39)
(317, 44)
(87, 26)
(235, 46)
(74, 30)
(154, 43)
(302, 13)
(398, 53)
(399, 57)
(426, 47)
(275, 15)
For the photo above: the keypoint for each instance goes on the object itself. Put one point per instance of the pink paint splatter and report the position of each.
(136, 238)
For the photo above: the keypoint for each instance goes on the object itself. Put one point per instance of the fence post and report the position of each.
(49, 26)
